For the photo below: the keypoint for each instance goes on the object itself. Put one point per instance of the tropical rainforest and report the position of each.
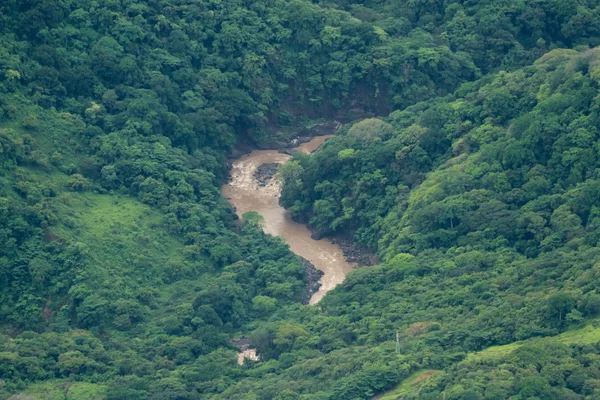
(468, 162)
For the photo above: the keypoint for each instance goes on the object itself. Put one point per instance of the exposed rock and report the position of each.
(246, 352)
(301, 140)
(307, 134)
(354, 253)
(289, 152)
(313, 276)
(316, 235)
(265, 172)
(235, 153)
(353, 114)
(240, 150)
(249, 354)
(319, 130)
(304, 135)
(274, 145)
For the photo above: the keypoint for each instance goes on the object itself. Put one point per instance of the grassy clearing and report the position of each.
(121, 233)
(494, 352)
(410, 385)
(55, 390)
(587, 335)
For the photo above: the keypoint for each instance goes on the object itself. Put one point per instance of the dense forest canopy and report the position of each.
(468, 164)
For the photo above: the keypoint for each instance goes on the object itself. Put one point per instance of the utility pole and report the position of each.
(398, 342)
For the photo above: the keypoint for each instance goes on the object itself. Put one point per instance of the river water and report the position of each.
(246, 195)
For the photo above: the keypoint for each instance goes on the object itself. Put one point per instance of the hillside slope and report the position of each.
(483, 206)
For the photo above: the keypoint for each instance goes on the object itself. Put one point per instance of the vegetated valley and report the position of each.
(468, 164)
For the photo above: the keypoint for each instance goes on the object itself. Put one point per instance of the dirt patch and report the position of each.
(426, 376)
(50, 237)
(420, 328)
(47, 312)
(265, 172)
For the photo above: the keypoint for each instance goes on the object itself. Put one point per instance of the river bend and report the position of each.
(244, 192)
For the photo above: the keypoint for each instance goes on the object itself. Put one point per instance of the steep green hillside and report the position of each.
(567, 359)
(431, 176)
(99, 283)
(484, 207)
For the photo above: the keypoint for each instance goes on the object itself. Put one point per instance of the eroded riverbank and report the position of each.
(246, 193)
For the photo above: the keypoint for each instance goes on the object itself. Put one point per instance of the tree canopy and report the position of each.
(468, 162)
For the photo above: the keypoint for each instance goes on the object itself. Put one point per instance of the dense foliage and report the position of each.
(483, 206)
(123, 271)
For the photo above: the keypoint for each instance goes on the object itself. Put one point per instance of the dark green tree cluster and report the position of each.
(201, 73)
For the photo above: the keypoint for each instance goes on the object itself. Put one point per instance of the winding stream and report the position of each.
(244, 192)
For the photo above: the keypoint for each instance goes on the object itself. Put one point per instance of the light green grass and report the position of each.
(120, 233)
(54, 390)
(494, 352)
(589, 334)
(409, 386)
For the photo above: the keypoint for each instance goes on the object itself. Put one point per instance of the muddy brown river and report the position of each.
(246, 195)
